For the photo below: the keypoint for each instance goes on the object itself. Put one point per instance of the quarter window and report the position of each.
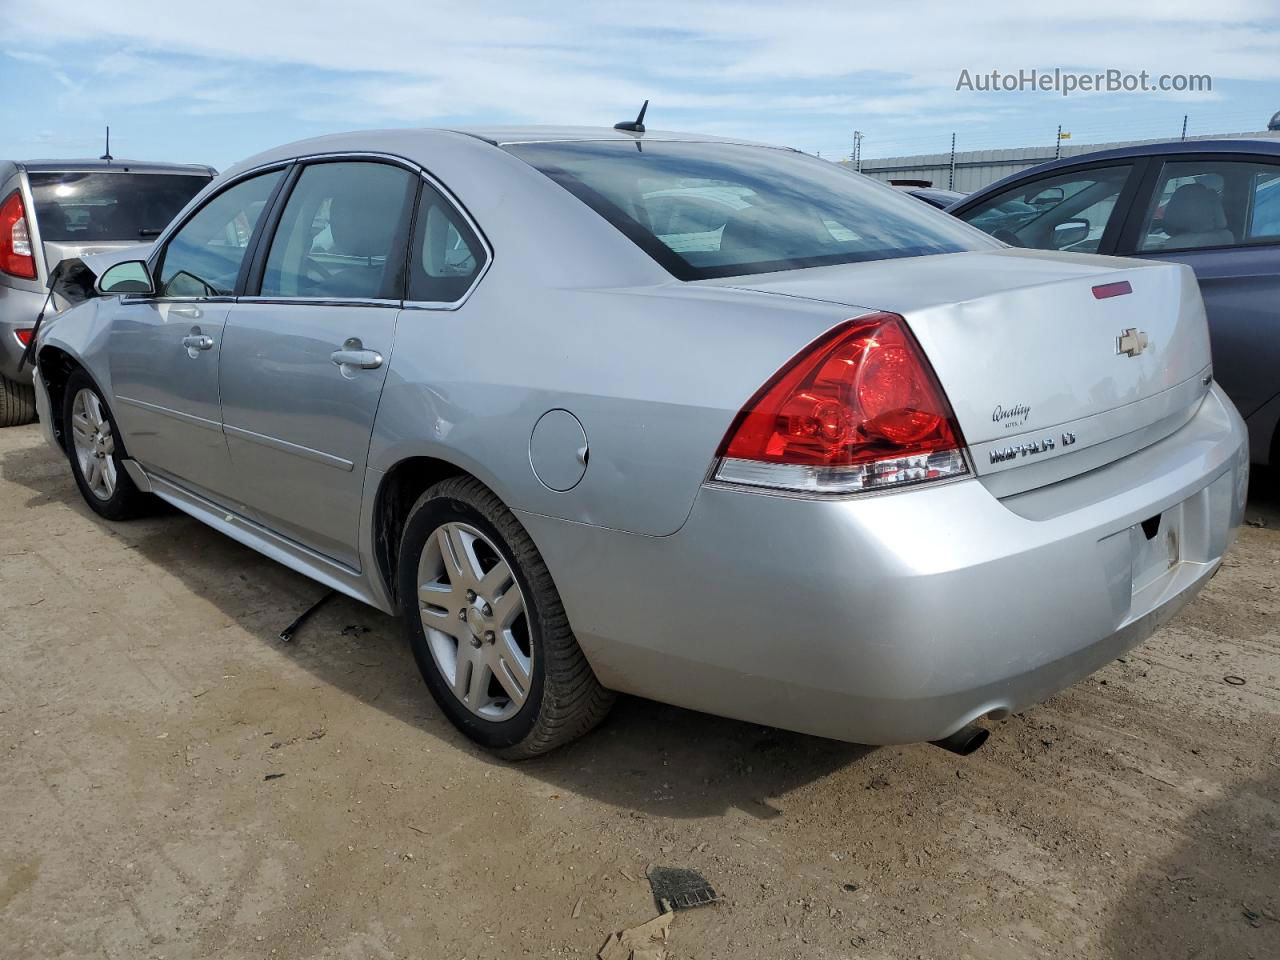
(447, 254)
(1265, 222)
(342, 234)
(203, 258)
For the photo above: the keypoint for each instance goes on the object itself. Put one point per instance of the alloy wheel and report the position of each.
(476, 623)
(94, 444)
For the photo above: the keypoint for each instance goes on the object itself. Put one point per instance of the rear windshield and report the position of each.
(707, 210)
(92, 207)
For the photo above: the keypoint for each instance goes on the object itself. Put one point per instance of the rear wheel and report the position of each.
(96, 454)
(17, 403)
(487, 627)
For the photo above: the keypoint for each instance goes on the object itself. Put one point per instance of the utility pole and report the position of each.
(951, 178)
(857, 151)
(1184, 126)
(1057, 144)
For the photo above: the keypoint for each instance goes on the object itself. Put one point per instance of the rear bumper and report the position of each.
(900, 617)
(18, 311)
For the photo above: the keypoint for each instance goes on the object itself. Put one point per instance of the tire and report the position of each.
(17, 403)
(101, 456)
(531, 653)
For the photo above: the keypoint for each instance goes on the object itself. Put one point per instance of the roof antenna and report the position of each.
(107, 156)
(636, 125)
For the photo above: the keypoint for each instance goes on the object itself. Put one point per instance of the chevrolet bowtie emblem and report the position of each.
(1132, 342)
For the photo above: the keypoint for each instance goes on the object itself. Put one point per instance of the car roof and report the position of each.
(502, 136)
(113, 166)
(1261, 146)
(425, 143)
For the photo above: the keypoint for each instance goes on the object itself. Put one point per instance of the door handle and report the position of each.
(353, 356)
(193, 313)
(197, 342)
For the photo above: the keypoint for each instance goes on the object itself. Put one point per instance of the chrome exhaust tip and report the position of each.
(965, 740)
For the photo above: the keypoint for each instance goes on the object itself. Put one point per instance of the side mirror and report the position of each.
(1048, 197)
(129, 276)
(1070, 232)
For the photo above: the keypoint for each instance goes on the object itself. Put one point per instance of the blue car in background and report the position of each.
(1212, 204)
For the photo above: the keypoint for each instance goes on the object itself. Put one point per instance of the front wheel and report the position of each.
(487, 627)
(96, 455)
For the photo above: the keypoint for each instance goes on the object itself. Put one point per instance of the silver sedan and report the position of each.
(714, 423)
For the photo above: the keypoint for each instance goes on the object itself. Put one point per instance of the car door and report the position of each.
(1079, 210)
(1221, 215)
(164, 347)
(305, 352)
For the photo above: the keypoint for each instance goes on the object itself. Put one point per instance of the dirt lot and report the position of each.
(144, 699)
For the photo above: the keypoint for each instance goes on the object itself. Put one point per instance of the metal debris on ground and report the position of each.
(287, 633)
(273, 776)
(675, 888)
(1233, 680)
(645, 942)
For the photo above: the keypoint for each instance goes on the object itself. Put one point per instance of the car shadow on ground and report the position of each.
(1221, 885)
(647, 757)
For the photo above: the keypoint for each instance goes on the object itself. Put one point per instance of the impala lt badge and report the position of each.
(1132, 342)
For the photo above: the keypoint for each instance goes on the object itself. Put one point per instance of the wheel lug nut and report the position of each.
(462, 614)
(475, 641)
(471, 596)
(487, 610)
(489, 637)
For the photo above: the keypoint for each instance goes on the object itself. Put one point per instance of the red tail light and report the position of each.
(859, 409)
(15, 240)
(24, 335)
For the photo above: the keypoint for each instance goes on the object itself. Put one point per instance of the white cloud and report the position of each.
(767, 68)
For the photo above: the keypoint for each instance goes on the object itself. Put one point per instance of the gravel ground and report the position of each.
(145, 701)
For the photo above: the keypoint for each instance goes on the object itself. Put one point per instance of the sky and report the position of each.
(216, 83)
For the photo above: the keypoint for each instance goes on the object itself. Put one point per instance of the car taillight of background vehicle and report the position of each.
(860, 409)
(16, 257)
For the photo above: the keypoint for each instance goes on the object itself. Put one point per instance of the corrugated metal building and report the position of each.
(975, 169)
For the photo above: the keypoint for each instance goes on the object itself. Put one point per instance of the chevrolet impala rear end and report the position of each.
(991, 473)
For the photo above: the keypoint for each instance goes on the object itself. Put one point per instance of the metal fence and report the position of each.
(971, 170)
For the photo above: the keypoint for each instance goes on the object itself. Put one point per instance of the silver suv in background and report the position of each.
(51, 210)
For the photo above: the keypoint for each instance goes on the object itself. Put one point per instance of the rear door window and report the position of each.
(1209, 202)
(1068, 211)
(96, 207)
(342, 234)
(203, 258)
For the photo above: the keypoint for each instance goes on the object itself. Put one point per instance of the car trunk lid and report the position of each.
(1054, 364)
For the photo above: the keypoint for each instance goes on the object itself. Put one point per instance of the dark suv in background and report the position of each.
(51, 210)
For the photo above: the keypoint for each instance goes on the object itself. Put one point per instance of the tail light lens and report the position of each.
(24, 335)
(16, 257)
(858, 410)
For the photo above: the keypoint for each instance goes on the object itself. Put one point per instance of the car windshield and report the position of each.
(707, 210)
(91, 207)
